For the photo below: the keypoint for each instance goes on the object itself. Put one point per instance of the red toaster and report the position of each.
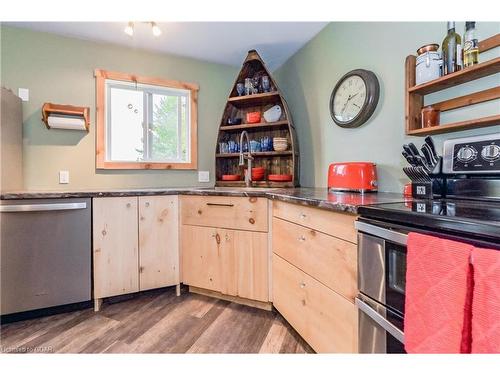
(360, 177)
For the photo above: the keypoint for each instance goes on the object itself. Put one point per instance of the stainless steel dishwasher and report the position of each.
(45, 256)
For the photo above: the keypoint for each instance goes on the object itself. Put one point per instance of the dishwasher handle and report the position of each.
(43, 207)
(381, 321)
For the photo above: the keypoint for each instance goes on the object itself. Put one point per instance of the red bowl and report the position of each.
(253, 117)
(258, 169)
(231, 177)
(280, 177)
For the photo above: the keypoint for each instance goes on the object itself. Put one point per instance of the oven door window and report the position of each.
(395, 275)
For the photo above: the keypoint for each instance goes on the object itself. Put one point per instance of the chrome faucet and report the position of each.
(248, 157)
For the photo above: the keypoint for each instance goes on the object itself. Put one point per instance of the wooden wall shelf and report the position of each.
(258, 126)
(274, 162)
(415, 94)
(65, 110)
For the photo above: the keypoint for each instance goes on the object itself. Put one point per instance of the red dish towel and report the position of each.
(486, 301)
(437, 278)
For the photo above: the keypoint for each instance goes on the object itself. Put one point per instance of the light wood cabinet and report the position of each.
(245, 213)
(158, 241)
(115, 238)
(328, 259)
(232, 262)
(135, 244)
(326, 320)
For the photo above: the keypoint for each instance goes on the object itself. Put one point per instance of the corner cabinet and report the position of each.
(229, 254)
(135, 244)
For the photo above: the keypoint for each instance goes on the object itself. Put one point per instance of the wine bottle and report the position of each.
(452, 51)
(471, 45)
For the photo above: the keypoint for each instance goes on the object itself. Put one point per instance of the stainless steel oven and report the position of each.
(381, 282)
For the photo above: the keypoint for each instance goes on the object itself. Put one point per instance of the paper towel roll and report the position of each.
(66, 122)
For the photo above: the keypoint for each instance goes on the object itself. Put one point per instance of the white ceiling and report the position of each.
(220, 42)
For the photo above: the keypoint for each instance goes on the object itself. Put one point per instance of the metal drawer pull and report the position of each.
(303, 216)
(381, 321)
(221, 204)
(386, 234)
(43, 207)
(302, 284)
(302, 238)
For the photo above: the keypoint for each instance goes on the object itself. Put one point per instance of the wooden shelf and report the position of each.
(457, 126)
(258, 126)
(255, 99)
(454, 79)
(414, 94)
(261, 184)
(256, 154)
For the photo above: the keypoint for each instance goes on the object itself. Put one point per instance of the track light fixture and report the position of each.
(129, 29)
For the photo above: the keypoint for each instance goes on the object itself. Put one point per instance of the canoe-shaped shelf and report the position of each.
(237, 106)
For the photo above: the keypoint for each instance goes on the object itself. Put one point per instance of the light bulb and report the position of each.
(129, 30)
(156, 30)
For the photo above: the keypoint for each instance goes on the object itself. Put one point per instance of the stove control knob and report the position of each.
(466, 154)
(490, 152)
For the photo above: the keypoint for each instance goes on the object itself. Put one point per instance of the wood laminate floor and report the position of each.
(157, 322)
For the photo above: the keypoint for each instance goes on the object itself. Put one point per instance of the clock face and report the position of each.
(349, 99)
(354, 98)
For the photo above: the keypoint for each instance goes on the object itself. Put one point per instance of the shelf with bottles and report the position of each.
(414, 95)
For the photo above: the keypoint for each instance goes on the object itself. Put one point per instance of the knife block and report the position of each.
(433, 189)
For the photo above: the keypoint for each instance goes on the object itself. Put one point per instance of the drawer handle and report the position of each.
(303, 216)
(147, 204)
(302, 238)
(128, 205)
(302, 284)
(217, 238)
(221, 204)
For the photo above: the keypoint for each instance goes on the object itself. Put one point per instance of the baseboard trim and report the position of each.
(242, 301)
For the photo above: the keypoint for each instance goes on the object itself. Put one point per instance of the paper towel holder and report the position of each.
(70, 111)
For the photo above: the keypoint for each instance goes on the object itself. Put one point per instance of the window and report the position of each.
(145, 123)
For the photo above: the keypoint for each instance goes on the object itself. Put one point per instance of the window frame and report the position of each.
(101, 143)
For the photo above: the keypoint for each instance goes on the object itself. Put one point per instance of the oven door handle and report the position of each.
(386, 234)
(381, 321)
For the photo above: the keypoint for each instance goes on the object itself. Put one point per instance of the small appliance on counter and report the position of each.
(360, 177)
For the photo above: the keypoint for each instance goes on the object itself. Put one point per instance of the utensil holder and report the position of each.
(434, 188)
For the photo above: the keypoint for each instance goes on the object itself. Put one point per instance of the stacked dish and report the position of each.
(280, 144)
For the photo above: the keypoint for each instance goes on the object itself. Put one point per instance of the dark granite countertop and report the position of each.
(315, 197)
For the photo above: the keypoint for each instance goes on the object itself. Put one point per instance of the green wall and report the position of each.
(309, 76)
(60, 70)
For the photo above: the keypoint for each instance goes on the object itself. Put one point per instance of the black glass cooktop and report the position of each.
(477, 218)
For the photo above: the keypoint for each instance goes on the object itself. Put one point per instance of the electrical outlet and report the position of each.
(203, 176)
(64, 177)
(24, 94)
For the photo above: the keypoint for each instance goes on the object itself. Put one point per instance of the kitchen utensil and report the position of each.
(231, 177)
(428, 64)
(430, 142)
(273, 114)
(280, 177)
(253, 117)
(413, 149)
(234, 121)
(409, 150)
(352, 176)
(430, 116)
(240, 88)
(426, 150)
(408, 158)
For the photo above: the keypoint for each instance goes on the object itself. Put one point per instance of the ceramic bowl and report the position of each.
(253, 117)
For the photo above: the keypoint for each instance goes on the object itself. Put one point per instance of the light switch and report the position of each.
(64, 177)
(203, 176)
(24, 94)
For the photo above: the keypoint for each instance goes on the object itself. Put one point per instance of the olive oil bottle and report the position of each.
(471, 45)
(452, 51)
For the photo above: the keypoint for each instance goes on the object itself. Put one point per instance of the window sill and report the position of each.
(145, 165)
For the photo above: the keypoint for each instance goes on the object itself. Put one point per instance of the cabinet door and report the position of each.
(158, 242)
(115, 241)
(200, 257)
(252, 262)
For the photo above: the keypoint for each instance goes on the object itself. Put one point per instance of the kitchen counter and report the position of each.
(315, 197)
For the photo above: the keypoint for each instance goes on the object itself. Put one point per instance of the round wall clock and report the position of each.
(354, 98)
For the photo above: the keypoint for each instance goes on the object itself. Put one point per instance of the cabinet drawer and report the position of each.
(247, 213)
(328, 259)
(327, 321)
(337, 224)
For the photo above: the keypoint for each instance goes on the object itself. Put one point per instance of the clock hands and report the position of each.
(347, 102)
